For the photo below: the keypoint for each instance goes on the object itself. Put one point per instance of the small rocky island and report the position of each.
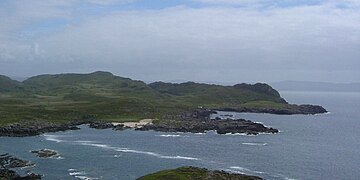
(199, 121)
(8, 163)
(190, 173)
(46, 153)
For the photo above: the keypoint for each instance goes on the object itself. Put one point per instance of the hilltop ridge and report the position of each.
(104, 96)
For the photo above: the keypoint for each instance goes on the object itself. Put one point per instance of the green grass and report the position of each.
(103, 96)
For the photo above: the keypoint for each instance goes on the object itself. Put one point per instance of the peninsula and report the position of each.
(49, 103)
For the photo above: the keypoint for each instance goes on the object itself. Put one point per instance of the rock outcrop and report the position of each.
(34, 128)
(8, 162)
(46, 153)
(292, 109)
(199, 122)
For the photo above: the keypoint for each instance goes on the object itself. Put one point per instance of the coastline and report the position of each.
(195, 121)
(138, 124)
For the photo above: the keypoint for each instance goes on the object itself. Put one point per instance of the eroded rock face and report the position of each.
(199, 121)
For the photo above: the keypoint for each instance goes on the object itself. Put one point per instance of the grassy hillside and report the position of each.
(9, 85)
(101, 95)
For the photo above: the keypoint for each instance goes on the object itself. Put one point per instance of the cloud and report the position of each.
(230, 2)
(232, 44)
(107, 2)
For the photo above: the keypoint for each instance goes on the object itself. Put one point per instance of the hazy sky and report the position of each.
(199, 40)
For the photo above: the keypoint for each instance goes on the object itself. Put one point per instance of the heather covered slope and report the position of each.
(104, 96)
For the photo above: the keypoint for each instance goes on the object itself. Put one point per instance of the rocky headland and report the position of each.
(289, 110)
(199, 121)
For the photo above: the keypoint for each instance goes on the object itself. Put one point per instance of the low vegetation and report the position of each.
(104, 96)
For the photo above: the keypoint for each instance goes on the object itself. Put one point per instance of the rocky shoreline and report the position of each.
(8, 163)
(34, 128)
(199, 121)
(306, 109)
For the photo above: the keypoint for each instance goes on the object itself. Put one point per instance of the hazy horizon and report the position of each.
(227, 41)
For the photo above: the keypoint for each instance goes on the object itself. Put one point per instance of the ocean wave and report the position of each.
(80, 174)
(169, 135)
(85, 178)
(239, 169)
(54, 138)
(85, 141)
(237, 134)
(242, 170)
(104, 146)
(77, 173)
(254, 144)
(179, 157)
(128, 150)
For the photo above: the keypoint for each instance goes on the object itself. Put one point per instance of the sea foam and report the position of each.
(254, 144)
(54, 138)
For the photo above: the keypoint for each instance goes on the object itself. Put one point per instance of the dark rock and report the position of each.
(101, 125)
(200, 122)
(291, 109)
(34, 128)
(10, 174)
(120, 127)
(7, 162)
(46, 153)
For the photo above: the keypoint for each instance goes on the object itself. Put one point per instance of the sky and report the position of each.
(229, 41)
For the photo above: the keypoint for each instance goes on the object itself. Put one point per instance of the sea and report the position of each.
(324, 146)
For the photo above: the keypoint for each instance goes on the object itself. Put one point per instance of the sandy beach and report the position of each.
(135, 124)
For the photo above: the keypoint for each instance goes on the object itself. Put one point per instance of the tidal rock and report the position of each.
(7, 162)
(101, 125)
(196, 122)
(10, 174)
(46, 153)
(33, 128)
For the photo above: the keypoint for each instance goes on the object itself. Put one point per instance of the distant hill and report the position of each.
(316, 86)
(9, 85)
(102, 95)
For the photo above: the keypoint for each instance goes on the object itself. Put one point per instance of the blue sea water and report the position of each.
(325, 146)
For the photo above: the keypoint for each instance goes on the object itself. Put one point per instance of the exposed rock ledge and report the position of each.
(33, 128)
(292, 109)
(8, 162)
(199, 121)
(45, 153)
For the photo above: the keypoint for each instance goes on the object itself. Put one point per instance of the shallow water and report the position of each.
(308, 147)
